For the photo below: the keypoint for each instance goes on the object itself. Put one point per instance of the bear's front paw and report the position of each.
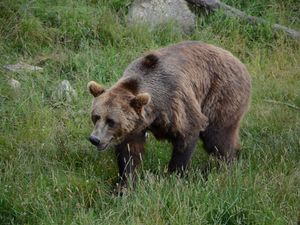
(120, 189)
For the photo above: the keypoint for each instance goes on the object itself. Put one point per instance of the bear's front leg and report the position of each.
(129, 155)
(183, 147)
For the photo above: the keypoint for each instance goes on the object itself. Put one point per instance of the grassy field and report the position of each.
(51, 174)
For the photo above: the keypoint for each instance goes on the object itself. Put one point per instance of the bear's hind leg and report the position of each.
(222, 142)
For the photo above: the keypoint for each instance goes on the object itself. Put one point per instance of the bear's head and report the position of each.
(117, 112)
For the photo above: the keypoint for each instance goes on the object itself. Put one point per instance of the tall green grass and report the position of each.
(49, 172)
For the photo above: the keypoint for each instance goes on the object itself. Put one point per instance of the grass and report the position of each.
(50, 174)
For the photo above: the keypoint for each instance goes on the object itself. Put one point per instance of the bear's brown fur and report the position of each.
(179, 93)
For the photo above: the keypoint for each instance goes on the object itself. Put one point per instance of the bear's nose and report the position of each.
(94, 140)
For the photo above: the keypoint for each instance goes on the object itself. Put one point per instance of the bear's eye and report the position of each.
(95, 118)
(110, 122)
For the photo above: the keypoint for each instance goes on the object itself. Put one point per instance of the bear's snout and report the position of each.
(94, 140)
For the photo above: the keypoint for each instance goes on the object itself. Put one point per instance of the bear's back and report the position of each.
(191, 68)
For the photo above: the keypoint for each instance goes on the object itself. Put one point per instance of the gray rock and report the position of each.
(19, 67)
(14, 83)
(156, 12)
(64, 92)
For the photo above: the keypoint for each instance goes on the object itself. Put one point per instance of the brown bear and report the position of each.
(182, 92)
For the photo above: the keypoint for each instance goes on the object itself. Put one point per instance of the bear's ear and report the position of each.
(95, 88)
(150, 60)
(139, 101)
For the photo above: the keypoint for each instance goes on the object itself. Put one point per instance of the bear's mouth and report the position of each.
(102, 147)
